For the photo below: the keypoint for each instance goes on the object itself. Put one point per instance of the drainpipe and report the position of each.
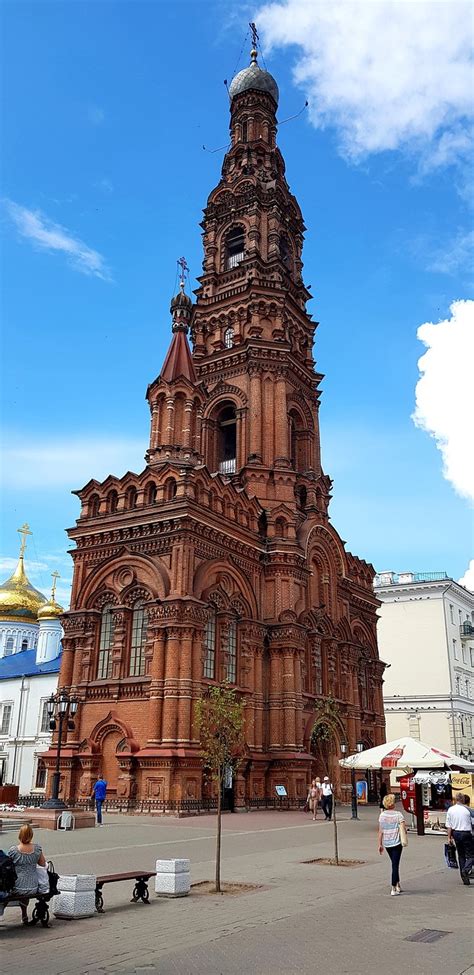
(15, 747)
(453, 719)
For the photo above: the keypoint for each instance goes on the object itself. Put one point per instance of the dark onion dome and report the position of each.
(181, 301)
(254, 78)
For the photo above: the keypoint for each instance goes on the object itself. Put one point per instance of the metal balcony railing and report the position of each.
(227, 466)
(234, 260)
(467, 630)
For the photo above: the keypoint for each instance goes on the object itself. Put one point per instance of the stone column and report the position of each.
(187, 423)
(169, 419)
(275, 699)
(255, 418)
(281, 420)
(289, 699)
(157, 673)
(185, 685)
(258, 699)
(169, 722)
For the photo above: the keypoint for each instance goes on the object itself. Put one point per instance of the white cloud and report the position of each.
(457, 256)
(386, 74)
(47, 235)
(468, 578)
(69, 463)
(444, 392)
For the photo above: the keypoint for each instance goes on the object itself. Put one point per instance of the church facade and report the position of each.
(219, 562)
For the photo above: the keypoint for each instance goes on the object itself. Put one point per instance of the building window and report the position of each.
(131, 498)
(458, 682)
(472, 657)
(210, 647)
(285, 252)
(468, 688)
(44, 722)
(244, 130)
(104, 669)
(40, 778)
(9, 646)
(227, 440)
(460, 616)
(230, 652)
(150, 493)
(170, 489)
(455, 649)
(137, 647)
(464, 654)
(229, 337)
(112, 502)
(234, 247)
(451, 612)
(6, 719)
(94, 504)
(24, 644)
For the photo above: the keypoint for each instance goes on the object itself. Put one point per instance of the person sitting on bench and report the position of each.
(26, 857)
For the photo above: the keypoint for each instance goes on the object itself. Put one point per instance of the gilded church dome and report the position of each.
(50, 610)
(18, 598)
(254, 78)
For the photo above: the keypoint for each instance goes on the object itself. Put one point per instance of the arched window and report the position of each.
(94, 502)
(229, 337)
(40, 778)
(104, 665)
(24, 644)
(9, 646)
(301, 495)
(131, 498)
(263, 525)
(227, 440)
(170, 489)
(209, 669)
(281, 528)
(112, 502)
(285, 251)
(297, 442)
(150, 493)
(244, 130)
(138, 641)
(234, 247)
(230, 652)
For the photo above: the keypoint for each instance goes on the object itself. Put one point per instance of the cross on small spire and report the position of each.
(183, 270)
(55, 576)
(24, 531)
(255, 36)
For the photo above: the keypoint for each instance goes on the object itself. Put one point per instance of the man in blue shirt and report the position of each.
(99, 793)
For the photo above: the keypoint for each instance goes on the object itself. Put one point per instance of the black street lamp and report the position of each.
(61, 710)
(359, 749)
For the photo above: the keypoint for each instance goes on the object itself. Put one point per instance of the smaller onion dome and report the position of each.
(51, 610)
(254, 78)
(181, 308)
(18, 598)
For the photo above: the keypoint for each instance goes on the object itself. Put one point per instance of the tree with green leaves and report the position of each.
(324, 737)
(220, 719)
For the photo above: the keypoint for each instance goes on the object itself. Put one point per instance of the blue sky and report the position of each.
(106, 110)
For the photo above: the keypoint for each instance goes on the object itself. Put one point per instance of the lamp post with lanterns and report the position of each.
(344, 750)
(61, 710)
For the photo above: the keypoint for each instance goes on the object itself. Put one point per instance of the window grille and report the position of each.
(104, 669)
(210, 648)
(138, 641)
(229, 337)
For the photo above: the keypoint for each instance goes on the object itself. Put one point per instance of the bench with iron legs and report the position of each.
(140, 890)
(40, 911)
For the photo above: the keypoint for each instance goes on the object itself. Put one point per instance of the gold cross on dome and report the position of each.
(55, 576)
(24, 531)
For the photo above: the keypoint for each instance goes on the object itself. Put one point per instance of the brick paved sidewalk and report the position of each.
(306, 918)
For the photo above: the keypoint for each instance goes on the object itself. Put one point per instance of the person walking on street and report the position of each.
(313, 798)
(99, 793)
(326, 797)
(390, 839)
(458, 824)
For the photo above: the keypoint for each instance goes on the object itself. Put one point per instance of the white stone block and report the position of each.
(173, 866)
(172, 884)
(79, 882)
(72, 905)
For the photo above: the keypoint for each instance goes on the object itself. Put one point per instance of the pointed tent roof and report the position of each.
(178, 360)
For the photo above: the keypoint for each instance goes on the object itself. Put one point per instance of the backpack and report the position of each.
(7, 873)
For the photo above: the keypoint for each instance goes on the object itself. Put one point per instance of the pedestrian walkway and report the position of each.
(344, 916)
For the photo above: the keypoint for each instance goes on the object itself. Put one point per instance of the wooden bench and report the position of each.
(40, 911)
(140, 890)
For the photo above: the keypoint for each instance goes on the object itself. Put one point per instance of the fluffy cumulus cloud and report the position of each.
(52, 237)
(444, 392)
(468, 578)
(386, 74)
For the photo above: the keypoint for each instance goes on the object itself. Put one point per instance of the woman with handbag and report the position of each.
(392, 838)
(27, 856)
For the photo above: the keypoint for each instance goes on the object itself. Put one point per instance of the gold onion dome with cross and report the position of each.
(51, 610)
(19, 600)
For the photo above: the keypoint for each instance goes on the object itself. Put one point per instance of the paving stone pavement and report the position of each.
(304, 917)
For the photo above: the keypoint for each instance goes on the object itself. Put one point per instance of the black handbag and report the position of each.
(450, 856)
(53, 878)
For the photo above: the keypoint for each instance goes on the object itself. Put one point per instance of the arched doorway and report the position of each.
(110, 768)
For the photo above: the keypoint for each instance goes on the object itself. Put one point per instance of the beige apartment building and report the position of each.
(426, 637)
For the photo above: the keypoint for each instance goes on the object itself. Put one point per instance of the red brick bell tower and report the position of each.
(219, 561)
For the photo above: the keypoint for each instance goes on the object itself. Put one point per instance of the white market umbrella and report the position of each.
(404, 753)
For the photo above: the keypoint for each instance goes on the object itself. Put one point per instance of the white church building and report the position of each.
(30, 655)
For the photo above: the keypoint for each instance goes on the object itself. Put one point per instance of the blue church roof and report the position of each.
(23, 664)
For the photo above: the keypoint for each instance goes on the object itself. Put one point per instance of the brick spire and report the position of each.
(178, 361)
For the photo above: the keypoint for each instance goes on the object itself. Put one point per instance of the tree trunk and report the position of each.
(219, 828)
(336, 844)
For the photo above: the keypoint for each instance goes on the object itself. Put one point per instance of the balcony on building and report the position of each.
(227, 466)
(466, 630)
